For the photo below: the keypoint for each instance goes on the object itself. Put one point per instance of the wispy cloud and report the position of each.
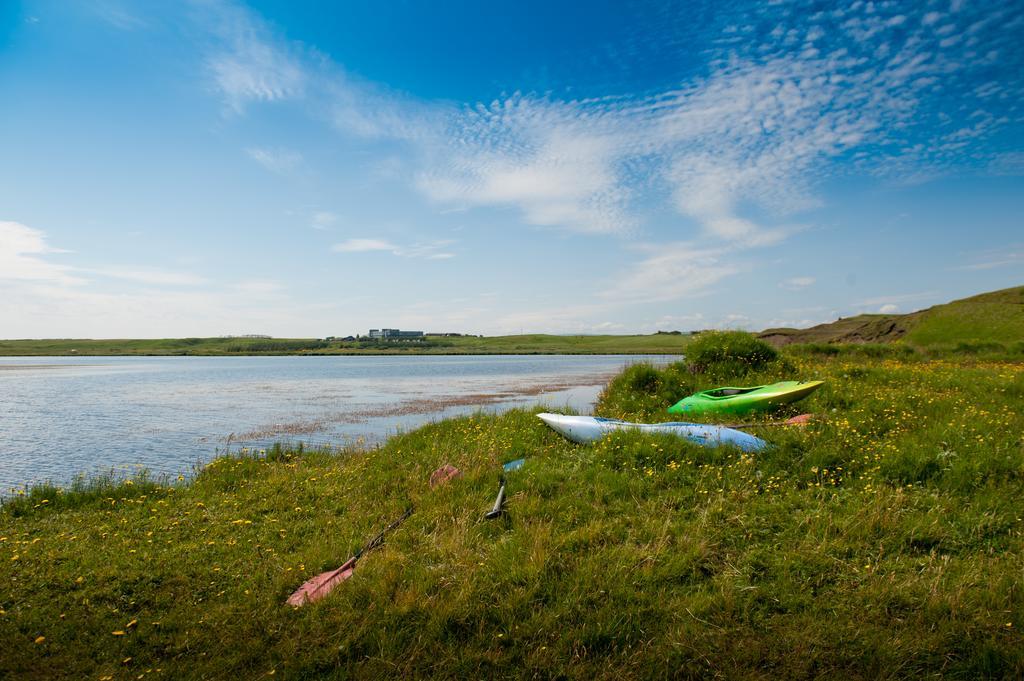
(153, 276)
(115, 14)
(896, 299)
(670, 272)
(21, 248)
(434, 250)
(788, 101)
(43, 298)
(993, 259)
(737, 150)
(276, 160)
(248, 63)
(362, 246)
(551, 160)
(258, 287)
(323, 220)
(797, 283)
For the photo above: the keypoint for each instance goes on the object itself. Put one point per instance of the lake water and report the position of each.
(60, 416)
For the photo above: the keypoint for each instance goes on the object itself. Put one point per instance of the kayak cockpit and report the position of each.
(731, 392)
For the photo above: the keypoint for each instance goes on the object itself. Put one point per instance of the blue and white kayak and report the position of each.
(587, 429)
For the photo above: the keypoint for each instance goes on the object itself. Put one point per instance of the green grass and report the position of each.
(436, 345)
(997, 317)
(990, 322)
(882, 541)
(160, 346)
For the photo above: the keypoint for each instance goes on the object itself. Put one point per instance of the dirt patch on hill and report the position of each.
(867, 328)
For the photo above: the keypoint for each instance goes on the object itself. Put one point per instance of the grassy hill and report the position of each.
(990, 317)
(995, 318)
(660, 343)
(884, 540)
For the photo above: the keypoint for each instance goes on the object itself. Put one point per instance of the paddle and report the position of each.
(317, 587)
(800, 420)
(499, 503)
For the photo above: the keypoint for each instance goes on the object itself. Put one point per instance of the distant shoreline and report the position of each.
(534, 344)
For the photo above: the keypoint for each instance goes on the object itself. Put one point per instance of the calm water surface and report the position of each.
(60, 416)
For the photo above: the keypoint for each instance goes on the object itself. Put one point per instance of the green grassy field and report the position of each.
(882, 541)
(522, 345)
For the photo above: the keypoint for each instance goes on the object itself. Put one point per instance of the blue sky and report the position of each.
(213, 167)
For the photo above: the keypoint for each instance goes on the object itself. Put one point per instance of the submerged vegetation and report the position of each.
(882, 540)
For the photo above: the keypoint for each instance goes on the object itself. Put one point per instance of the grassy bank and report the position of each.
(882, 541)
(662, 343)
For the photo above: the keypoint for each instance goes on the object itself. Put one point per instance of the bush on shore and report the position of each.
(642, 392)
(728, 353)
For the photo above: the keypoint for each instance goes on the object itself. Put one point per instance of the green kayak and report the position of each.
(744, 400)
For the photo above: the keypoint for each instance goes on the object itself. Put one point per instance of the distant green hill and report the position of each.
(995, 317)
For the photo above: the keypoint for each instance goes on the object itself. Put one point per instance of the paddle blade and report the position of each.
(443, 475)
(315, 588)
(800, 420)
(513, 465)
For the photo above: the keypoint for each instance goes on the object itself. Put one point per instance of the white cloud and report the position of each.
(322, 220)
(690, 322)
(428, 251)
(258, 287)
(362, 246)
(550, 160)
(734, 320)
(889, 309)
(993, 259)
(119, 17)
(55, 311)
(276, 160)
(736, 151)
(1008, 163)
(144, 275)
(20, 248)
(249, 63)
(897, 299)
(44, 299)
(670, 272)
(797, 283)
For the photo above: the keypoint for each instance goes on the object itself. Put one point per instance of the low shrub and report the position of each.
(277, 345)
(728, 353)
(979, 347)
(822, 349)
(642, 391)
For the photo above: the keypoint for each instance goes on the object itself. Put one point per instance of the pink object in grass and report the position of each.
(315, 588)
(800, 420)
(443, 475)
